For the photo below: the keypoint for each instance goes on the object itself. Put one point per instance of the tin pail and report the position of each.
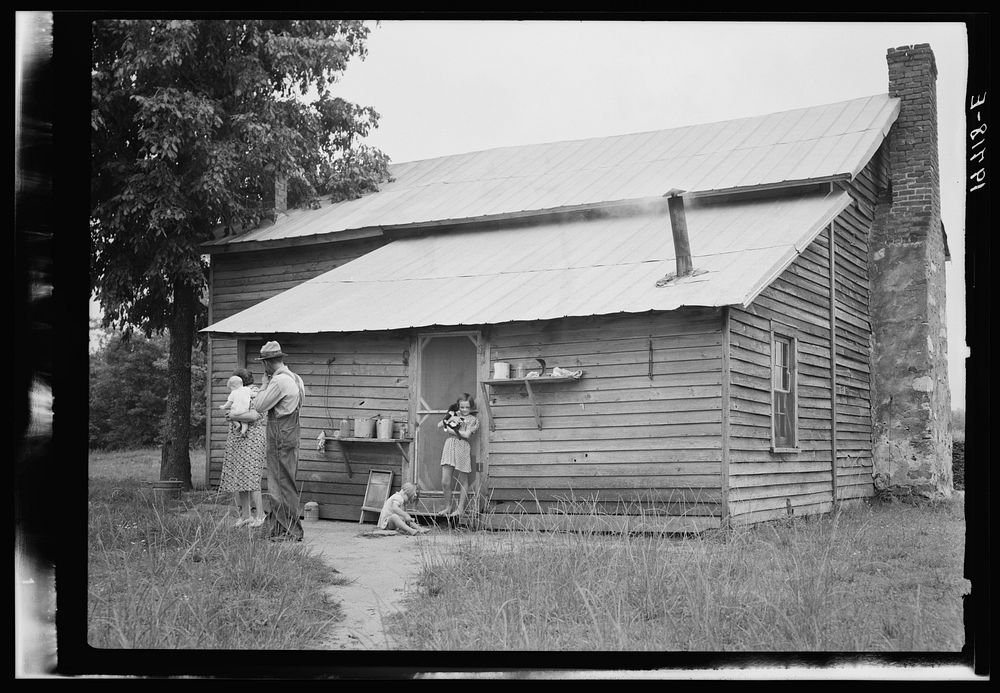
(310, 511)
(364, 426)
(501, 370)
(345, 428)
(167, 490)
(384, 427)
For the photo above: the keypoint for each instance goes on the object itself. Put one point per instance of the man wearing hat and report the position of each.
(280, 398)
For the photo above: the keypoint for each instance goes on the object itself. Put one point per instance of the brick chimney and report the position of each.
(911, 398)
(276, 199)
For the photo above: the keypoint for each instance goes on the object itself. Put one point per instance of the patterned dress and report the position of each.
(457, 451)
(243, 463)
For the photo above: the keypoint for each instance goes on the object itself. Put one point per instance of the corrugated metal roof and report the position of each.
(818, 143)
(596, 266)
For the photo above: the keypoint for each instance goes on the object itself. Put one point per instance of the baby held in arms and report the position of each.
(238, 402)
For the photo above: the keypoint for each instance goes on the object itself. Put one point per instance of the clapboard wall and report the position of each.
(763, 484)
(639, 434)
(368, 373)
(343, 375)
(854, 331)
(243, 279)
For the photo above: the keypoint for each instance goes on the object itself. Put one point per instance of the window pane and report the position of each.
(781, 372)
(776, 368)
(784, 402)
(782, 421)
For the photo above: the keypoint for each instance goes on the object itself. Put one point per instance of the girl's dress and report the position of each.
(243, 463)
(383, 518)
(457, 451)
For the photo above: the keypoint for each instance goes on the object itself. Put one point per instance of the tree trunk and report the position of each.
(175, 462)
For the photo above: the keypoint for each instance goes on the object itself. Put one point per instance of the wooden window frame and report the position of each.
(786, 334)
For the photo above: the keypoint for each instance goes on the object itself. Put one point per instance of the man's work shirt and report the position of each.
(284, 393)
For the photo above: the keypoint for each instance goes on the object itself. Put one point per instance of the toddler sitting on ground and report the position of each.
(393, 515)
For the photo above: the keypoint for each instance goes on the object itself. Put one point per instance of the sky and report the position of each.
(447, 87)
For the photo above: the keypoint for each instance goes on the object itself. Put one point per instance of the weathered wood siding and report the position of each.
(854, 333)
(367, 373)
(618, 440)
(241, 280)
(763, 483)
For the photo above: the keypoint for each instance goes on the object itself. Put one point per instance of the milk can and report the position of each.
(384, 429)
(311, 511)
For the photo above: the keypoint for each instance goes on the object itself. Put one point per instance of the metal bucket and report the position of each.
(384, 427)
(167, 490)
(310, 511)
(501, 370)
(364, 427)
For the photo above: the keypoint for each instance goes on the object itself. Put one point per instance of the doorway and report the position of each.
(448, 368)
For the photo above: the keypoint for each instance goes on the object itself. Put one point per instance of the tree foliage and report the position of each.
(128, 392)
(192, 121)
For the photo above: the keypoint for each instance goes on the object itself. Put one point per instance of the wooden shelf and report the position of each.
(347, 459)
(529, 385)
(371, 440)
(540, 379)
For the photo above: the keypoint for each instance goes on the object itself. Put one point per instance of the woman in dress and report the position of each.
(456, 458)
(243, 463)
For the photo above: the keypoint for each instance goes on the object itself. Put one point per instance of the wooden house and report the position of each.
(714, 284)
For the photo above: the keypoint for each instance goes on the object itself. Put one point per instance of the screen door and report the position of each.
(447, 369)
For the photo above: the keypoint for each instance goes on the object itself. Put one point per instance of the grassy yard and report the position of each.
(885, 577)
(139, 465)
(180, 577)
(879, 578)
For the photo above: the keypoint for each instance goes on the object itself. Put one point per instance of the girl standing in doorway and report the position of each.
(456, 458)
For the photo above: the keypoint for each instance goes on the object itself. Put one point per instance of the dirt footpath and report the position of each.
(383, 566)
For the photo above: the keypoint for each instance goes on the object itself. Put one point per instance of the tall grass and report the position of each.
(176, 575)
(877, 578)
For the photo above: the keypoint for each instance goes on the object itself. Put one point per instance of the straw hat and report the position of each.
(271, 350)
